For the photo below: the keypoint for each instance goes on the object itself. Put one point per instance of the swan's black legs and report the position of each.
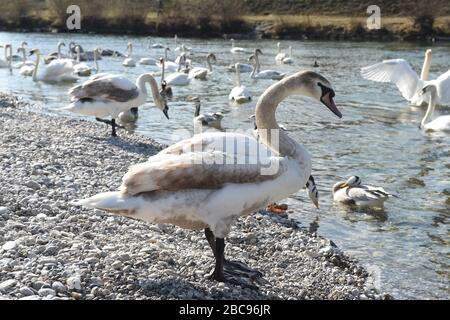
(112, 123)
(229, 271)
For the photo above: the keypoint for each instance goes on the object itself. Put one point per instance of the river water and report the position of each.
(406, 246)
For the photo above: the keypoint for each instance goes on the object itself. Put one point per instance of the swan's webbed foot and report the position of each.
(230, 271)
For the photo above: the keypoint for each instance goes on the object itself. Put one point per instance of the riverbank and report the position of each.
(289, 27)
(51, 250)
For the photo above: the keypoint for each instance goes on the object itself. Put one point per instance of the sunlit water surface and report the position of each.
(407, 245)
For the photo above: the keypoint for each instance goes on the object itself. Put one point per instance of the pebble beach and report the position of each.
(50, 249)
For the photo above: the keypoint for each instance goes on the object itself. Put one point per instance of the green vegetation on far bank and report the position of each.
(408, 20)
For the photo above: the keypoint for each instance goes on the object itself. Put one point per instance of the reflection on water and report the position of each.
(378, 139)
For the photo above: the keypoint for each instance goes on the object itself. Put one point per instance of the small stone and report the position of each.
(33, 185)
(4, 210)
(59, 287)
(9, 245)
(355, 292)
(117, 265)
(45, 292)
(7, 285)
(74, 282)
(41, 216)
(26, 291)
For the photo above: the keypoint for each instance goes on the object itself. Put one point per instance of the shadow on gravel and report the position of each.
(143, 148)
(176, 288)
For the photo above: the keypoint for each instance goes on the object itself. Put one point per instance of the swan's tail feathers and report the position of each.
(113, 202)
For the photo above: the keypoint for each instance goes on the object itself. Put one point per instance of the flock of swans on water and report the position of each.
(202, 182)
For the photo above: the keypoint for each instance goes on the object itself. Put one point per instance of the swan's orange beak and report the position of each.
(327, 100)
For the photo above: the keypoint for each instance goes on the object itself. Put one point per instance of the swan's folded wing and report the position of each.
(396, 71)
(443, 86)
(59, 67)
(180, 169)
(109, 87)
(195, 171)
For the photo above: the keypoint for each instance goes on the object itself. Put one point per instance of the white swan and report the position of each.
(26, 66)
(288, 59)
(240, 93)
(352, 193)
(178, 78)
(148, 61)
(441, 123)
(399, 72)
(205, 119)
(202, 183)
(108, 95)
(201, 73)
(7, 62)
(265, 74)
(56, 55)
(236, 49)
(129, 61)
(280, 55)
(58, 70)
(155, 45)
(169, 66)
(166, 90)
(82, 69)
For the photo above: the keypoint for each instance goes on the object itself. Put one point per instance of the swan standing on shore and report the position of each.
(199, 183)
(239, 94)
(353, 193)
(58, 70)
(129, 61)
(108, 95)
(201, 73)
(399, 72)
(236, 49)
(441, 123)
(265, 74)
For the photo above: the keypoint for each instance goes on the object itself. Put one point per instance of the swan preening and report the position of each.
(199, 183)
(399, 72)
(106, 95)
(353, 193)
(441, 123)
(239, 94)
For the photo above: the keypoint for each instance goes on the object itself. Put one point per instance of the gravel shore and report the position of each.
(52, 250)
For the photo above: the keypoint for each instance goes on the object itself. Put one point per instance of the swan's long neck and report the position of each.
(426, 66)
(197, 109)
(59, 50)
(208, 61)
(238, 76)
(147, 78)
(253, 74)
(38, 59)
(24, 56)
(96, 61)
(258, 65)
(232, 43)
(78, 55)
(163, 66)
(268, 129)
(130, 51)
(176, 41)
(430, 109)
